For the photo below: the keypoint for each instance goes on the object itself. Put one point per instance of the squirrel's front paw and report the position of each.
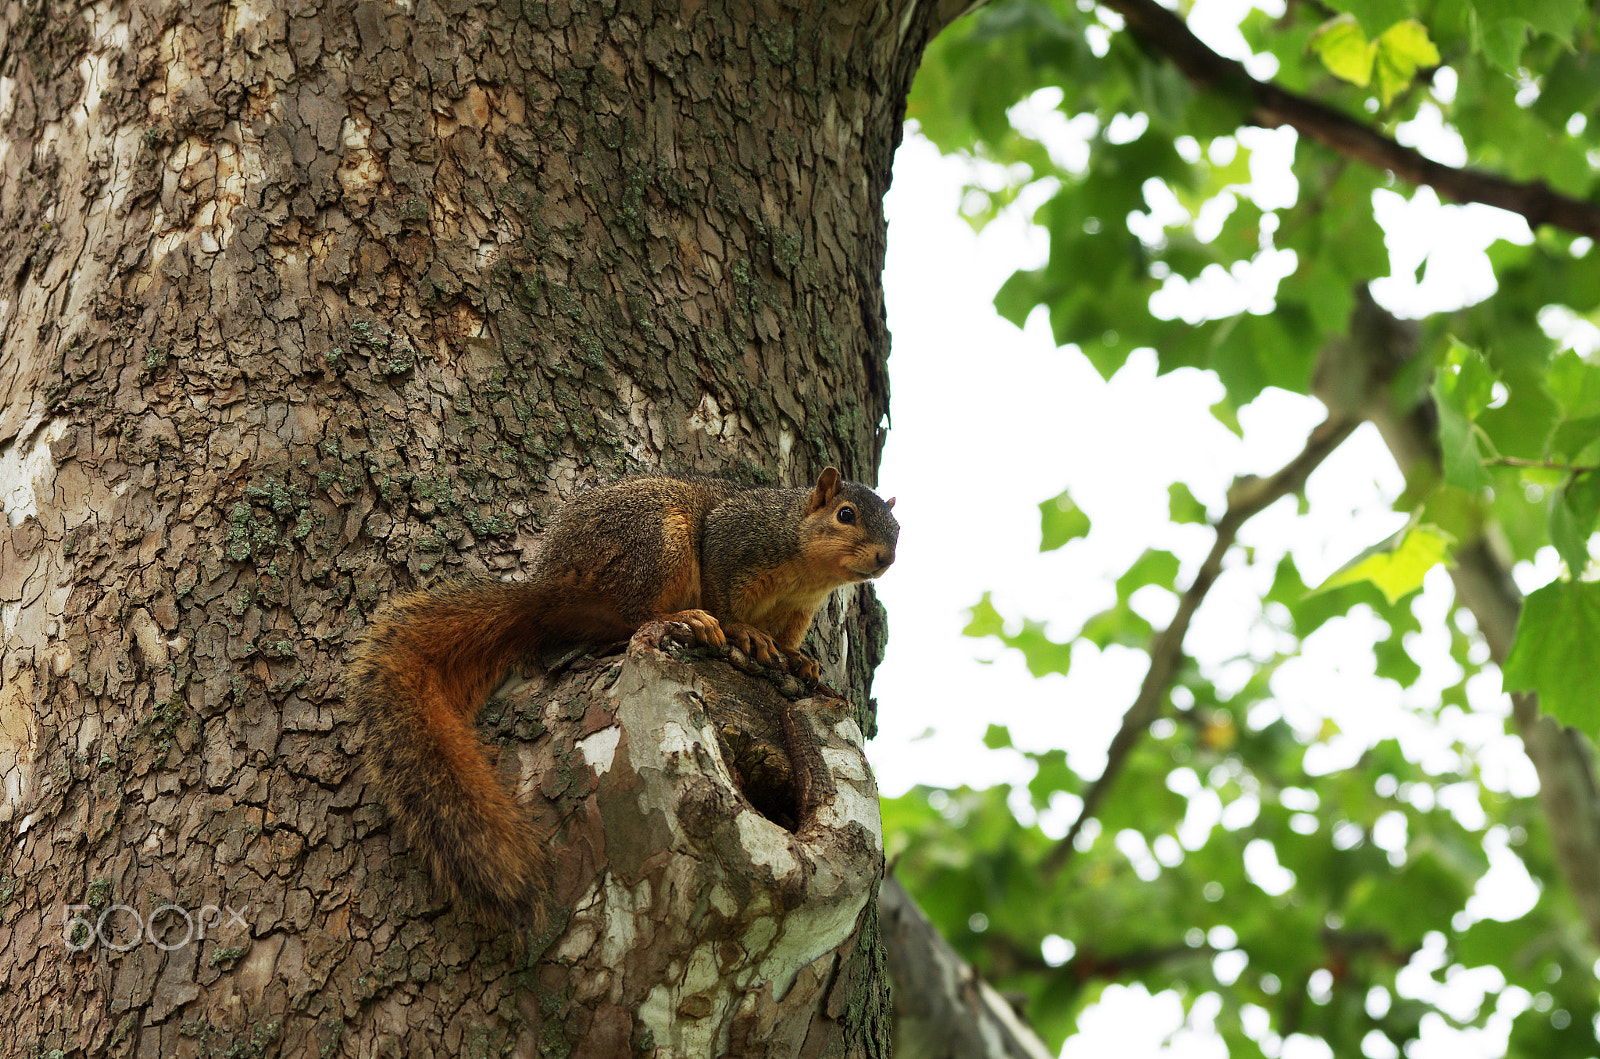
(803, 667)
(703, 628)
(755, 643)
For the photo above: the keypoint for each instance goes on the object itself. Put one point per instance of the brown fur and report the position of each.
(749, 566)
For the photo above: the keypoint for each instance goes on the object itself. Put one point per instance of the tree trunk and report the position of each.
(305, 305)
(943, 1009)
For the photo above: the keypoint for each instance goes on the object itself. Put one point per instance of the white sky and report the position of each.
(987, 421)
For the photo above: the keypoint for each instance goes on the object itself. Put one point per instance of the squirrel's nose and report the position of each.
(885, 557)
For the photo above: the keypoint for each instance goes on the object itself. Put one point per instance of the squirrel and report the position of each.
(746, 566)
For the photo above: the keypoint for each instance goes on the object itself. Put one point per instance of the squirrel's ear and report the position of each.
(827, 486)
(889, 503)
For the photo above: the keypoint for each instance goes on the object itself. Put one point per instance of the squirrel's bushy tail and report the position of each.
(416, 685)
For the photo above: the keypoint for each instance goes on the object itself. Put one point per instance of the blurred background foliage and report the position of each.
(1291, 903)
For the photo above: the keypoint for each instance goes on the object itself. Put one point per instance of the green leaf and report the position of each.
(1345, 50)
(1496, 943)
(1460, 450)
(1226, 412)
(1573, 511)
(1555, 17)
(1522, 425)
(997, 737)
(1572, 86)
(1462, 389)
(1118, 625)
(1376, 15)
(1019, 295)
(1558, 631)
(1053, 775)
(1458, 512)
(1501, 40)
(1183, 505)
(1252, 352)
(1577, 441)
(1575, 384)
(1398, 565)
(1403, 49)
(1393, 659)
(1465, 379)
(1407, 904)
(1235, 172)
(1309, 610)
(986, 621)
(1042, 654)
(1060, 520)
(1154, 567)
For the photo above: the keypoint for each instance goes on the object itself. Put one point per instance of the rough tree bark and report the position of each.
(306, 303)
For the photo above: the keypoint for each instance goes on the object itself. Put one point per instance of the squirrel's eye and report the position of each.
(847, 515)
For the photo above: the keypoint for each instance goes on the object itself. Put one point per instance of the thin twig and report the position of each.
(1248, 498)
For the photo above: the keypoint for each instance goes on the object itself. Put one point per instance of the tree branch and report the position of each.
(1247, 498)
(1271, 107)
(942, 1007)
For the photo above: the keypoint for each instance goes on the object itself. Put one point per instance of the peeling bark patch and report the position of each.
(26, 468)
(32, 600)
(721, 909)
(599, 749)
(17, 740)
